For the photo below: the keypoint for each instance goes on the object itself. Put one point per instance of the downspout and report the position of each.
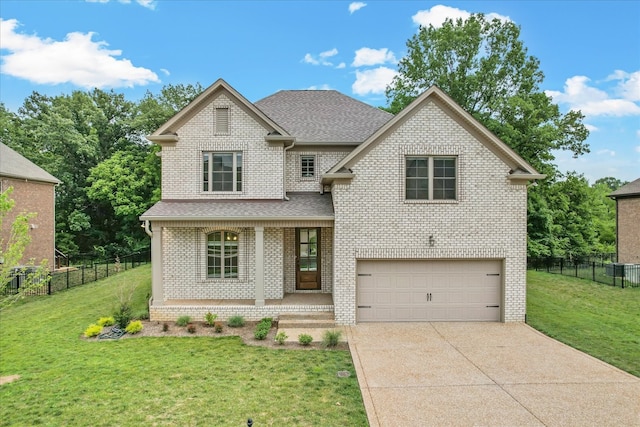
(284, 170)
(146, 228)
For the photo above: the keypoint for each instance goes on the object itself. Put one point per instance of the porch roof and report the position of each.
(307, 206)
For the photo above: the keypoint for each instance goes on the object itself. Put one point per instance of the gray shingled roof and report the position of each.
(627, 190)
(14, 165)
(323, 115)
(300, 206)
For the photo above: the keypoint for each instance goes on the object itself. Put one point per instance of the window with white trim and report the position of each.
(222, 255)
(222, 172)
(307, 166)
(430, 178)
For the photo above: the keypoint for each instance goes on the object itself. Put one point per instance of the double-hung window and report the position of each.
(222, 255)
(222, 171)
(430, 178)
(307, 166)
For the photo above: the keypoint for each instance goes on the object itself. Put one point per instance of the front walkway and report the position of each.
(464, 374)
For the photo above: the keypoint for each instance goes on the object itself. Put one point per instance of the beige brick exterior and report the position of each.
(39, 198)
(628, 211)
(372, 219)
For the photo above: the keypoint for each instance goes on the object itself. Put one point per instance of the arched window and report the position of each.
(222, 255)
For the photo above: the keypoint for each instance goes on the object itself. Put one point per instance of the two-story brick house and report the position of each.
(268, 206)
(627, 200)
(33, 192)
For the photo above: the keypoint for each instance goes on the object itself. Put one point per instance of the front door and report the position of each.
(308, 258)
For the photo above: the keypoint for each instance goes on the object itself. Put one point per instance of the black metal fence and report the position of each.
(602, 271)
(81, 274)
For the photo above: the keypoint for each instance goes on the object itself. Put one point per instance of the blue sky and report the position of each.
(589, 52)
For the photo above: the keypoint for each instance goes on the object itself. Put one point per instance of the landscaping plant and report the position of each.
(93, 330)
(106, 321)
(134, 327)
(281, 337)
(236, 321)
(183, 320)
(331, 338)
(305, 339)
(210, 319)
(262, 328)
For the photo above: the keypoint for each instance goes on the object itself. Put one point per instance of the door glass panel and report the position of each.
(308, 249)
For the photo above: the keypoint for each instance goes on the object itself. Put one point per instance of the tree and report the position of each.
(484, 66)
(11, 254)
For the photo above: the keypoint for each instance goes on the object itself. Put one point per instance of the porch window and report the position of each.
(222, 172)
(222, 255)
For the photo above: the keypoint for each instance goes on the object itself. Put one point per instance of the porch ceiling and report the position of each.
(301, 206)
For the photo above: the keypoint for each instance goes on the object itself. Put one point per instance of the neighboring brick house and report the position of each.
(33, 191)
(420, 216)
(627, 200)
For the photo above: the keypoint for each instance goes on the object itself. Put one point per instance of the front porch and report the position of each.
(170, 310)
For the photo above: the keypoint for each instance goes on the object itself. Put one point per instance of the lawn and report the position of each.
(601, 320)
(65, 380)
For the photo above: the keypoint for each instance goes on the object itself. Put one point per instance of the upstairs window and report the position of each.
(222, 120)
(430, 178)
(222, 255)
(222, 172)
(308, 166)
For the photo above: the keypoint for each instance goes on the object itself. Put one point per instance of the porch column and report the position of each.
(259, 280)
(157, 288)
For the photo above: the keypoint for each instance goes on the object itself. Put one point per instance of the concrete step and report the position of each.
(306, 320)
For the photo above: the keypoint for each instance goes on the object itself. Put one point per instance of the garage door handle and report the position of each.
(493, 274)
(364, 306)
(493, 306)
(363, 274)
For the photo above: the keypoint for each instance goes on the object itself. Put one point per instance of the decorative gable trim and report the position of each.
(457, 113)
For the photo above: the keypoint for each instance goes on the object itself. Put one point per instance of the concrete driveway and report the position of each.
(485, 374)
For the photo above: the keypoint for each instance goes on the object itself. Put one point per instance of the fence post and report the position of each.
(593, 269)
(68, 268)
(95, 270)
(576, 264)
(107, 267)
(561, 264)
(49, 283)
(83, 274)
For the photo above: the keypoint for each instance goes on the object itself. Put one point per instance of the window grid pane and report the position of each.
(222, 255)
(417, 178)
(222, 172)
(307, 166)
(444, 178)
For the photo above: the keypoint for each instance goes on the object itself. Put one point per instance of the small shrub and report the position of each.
(281, 337)
(236, 321)
(331, 338)
(262, 328)
(191, 328)
(210, 318)
(217, 326)
(122, 316)
(183, 320)
(134, 327)
(106, 321)
(93, 330)
(305, 339)
(165, 327)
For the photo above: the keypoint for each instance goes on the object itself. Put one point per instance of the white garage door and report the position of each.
(447, 290)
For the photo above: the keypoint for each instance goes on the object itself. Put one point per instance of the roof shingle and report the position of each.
(14, 165)
(630, 189)
(323, 115)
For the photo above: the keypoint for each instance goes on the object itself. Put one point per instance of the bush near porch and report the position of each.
(602, 321)
(67, 380)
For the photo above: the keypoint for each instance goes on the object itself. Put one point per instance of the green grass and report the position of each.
(601, 320)
(66, 380)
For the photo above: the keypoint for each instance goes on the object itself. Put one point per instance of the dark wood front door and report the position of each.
(308, 258)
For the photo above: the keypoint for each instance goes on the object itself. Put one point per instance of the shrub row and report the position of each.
(262, 328)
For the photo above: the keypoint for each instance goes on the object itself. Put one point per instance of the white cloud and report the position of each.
(321, 87)
(439, 13)
(149, 4)
(591, 128)
(321, 58)
(638, 148)
(77, 60)
(341, 65)
(367, 56)
(638, 133)
(606, 152)
(591, 101)
(628, 85)
(165, 71)
(355, 6)
(372, 81)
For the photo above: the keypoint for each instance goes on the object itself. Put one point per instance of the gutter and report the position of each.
(146, 228)
(237, 218)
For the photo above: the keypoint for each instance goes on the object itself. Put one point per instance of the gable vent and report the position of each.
(222, 120)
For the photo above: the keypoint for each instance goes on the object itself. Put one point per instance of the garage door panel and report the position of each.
(442, 290)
